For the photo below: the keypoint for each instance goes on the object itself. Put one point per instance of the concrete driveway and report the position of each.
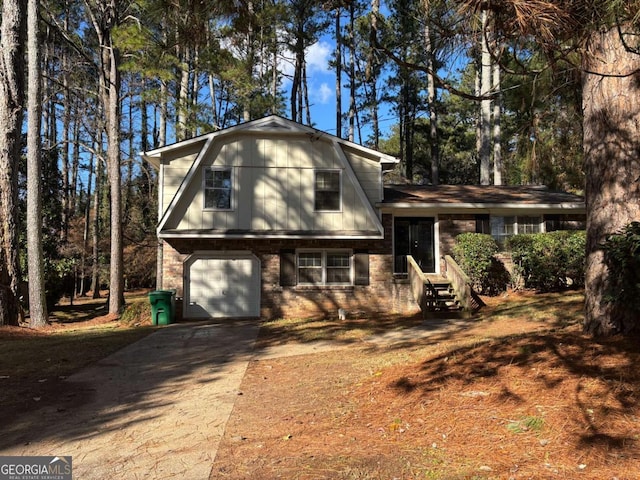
(156, 409)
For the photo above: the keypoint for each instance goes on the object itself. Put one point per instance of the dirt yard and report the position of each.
(516, 393)
(519, 394)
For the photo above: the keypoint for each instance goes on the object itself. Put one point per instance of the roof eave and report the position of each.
(256, 236)
(484, 206)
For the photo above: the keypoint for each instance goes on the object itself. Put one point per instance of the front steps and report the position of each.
(440, 296)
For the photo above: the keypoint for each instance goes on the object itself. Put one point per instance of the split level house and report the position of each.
(271, 218)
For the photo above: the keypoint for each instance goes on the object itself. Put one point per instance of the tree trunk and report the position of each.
(164, 113)
(497, 131)
(37, 300)
(274, 79)
(164, 100)
(305, 92)
(611, 107)
(66, 136)
(193, 97)
(183, 95)
(250, 61)
(352, 72)
(338, 55)
(12, 33)
(485, 104)
(372, 69)
(477, 88)
(433, 109)
(295, 87)
(144, 118)
(126, 199)
(95, 240)
(110, 100)
(75, 163)
(85, 231)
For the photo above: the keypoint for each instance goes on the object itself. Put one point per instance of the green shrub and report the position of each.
(549, 261)
(58, 279)
(474, 252)
(622, 256)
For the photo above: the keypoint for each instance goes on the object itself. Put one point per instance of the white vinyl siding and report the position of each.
(273, 189)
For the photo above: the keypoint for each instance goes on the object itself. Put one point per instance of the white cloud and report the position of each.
(317, 56)
(323, 94)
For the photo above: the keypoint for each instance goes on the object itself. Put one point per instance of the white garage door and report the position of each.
(223, 287)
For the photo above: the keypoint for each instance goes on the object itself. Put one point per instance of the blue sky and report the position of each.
(321, 84)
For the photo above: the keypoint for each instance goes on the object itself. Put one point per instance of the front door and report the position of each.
(414, 236)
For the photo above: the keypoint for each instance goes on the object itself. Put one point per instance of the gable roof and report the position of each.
(271, 124)
(479, 196)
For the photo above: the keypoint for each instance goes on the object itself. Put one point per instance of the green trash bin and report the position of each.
(162, 309)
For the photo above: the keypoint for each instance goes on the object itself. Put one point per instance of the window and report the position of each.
(483, 224)
(503, 227)
(324, 268)
(529, 225)
(564, 222)
(217, 188)
(327, 190)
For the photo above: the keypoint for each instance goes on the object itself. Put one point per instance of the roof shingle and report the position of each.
(477, 194)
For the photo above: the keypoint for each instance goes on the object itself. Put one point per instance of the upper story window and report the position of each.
(328, 192)
(218, 186)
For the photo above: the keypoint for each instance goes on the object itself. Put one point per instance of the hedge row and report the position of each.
(542, 261)
(549, 261)
(622, 256)
(475, 253)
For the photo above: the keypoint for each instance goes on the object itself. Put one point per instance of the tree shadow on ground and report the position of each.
(596, 380)
(549, 311)
(135, 385)
(79, 312)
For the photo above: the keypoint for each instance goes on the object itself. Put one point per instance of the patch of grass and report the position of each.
(526, 424)
(137, 312)
(33, 363)
(65, 351)
(559, 310)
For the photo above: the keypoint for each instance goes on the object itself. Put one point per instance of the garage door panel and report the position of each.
(223, 287)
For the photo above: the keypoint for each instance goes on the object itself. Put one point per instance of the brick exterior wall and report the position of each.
(451, 226)
(383, 295)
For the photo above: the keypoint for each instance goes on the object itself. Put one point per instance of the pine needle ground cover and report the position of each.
(518, 393)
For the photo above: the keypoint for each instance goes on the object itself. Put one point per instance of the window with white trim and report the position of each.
(324, 267)
(504, 227)
(328, 191)
(218, 188)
